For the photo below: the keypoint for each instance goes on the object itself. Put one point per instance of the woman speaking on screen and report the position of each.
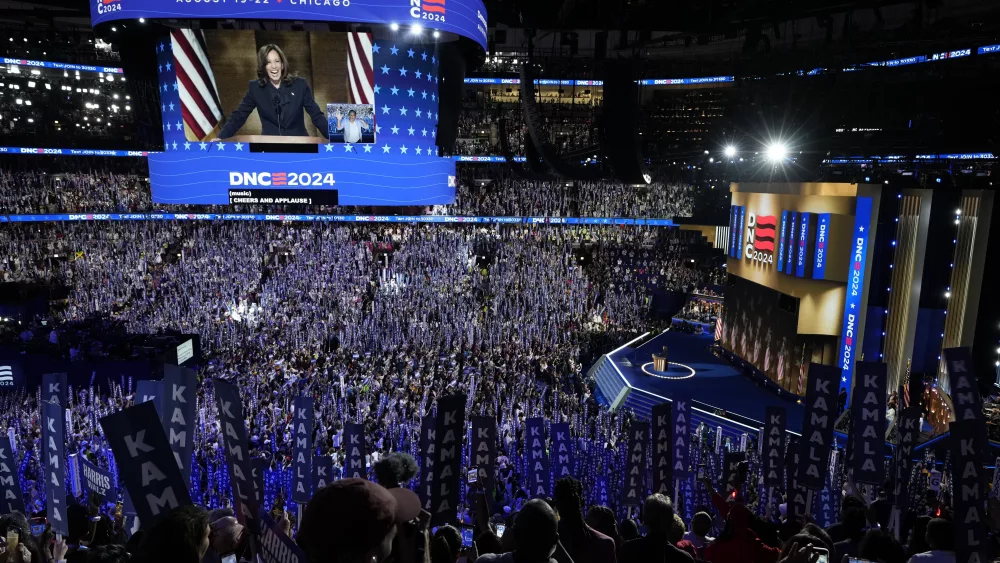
(278, 98)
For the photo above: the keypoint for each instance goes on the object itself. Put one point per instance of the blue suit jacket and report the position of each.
(293, 99)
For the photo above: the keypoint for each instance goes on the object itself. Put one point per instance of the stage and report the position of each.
(694, 371)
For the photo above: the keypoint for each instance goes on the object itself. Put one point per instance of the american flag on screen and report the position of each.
(360, 70)
(199, 96)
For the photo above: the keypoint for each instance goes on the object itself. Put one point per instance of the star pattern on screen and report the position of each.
(406, 103)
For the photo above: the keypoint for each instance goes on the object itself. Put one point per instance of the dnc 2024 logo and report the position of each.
(108, 6)
(760, 238)
(6, 376)
(430, 10)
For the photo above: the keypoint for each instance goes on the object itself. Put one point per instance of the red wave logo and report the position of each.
(436, 6)
(764, 233)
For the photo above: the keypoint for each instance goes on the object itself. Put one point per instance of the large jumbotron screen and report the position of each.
(299, 117)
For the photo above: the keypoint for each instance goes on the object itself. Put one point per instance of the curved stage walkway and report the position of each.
(715, 383)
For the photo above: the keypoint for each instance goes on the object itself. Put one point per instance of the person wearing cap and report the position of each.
(536, 536)
(354, 521)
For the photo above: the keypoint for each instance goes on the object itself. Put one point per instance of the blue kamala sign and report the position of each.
(466, 18)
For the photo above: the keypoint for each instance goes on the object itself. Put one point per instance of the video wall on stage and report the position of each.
(760, 325)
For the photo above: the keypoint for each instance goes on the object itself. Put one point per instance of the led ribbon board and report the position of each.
(466, 18)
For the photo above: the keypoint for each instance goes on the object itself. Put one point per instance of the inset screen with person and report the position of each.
(351, 123)
(258, 85)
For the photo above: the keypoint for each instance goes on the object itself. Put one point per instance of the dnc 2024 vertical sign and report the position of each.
(851, 327)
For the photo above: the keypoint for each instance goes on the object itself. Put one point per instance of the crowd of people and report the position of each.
(701, 310)
(122, 186)
(492, 190)
(400, 315)
(360, 521)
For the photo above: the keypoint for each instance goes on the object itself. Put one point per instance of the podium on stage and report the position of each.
(660, 360)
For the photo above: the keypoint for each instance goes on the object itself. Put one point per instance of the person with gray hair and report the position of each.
(658, 514)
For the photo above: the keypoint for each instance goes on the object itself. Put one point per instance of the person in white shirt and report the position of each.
(940, 537)
(352, 127)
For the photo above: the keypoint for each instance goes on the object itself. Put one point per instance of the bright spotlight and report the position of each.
(416, 29)
(730, 151)
(394, 26)
(437, 34)
(776, 152)
(142, 20)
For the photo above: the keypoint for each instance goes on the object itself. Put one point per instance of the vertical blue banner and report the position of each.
(800, 250)
(819, 257)
(537, 457)
(850, 328)
(303, 434)
(781, 241)
(739, 236)
(681, 435)
(792, 239)
(733, 224)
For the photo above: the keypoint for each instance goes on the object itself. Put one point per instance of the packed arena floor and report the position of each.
(121, 186)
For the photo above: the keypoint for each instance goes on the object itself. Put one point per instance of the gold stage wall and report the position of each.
(814, 301)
